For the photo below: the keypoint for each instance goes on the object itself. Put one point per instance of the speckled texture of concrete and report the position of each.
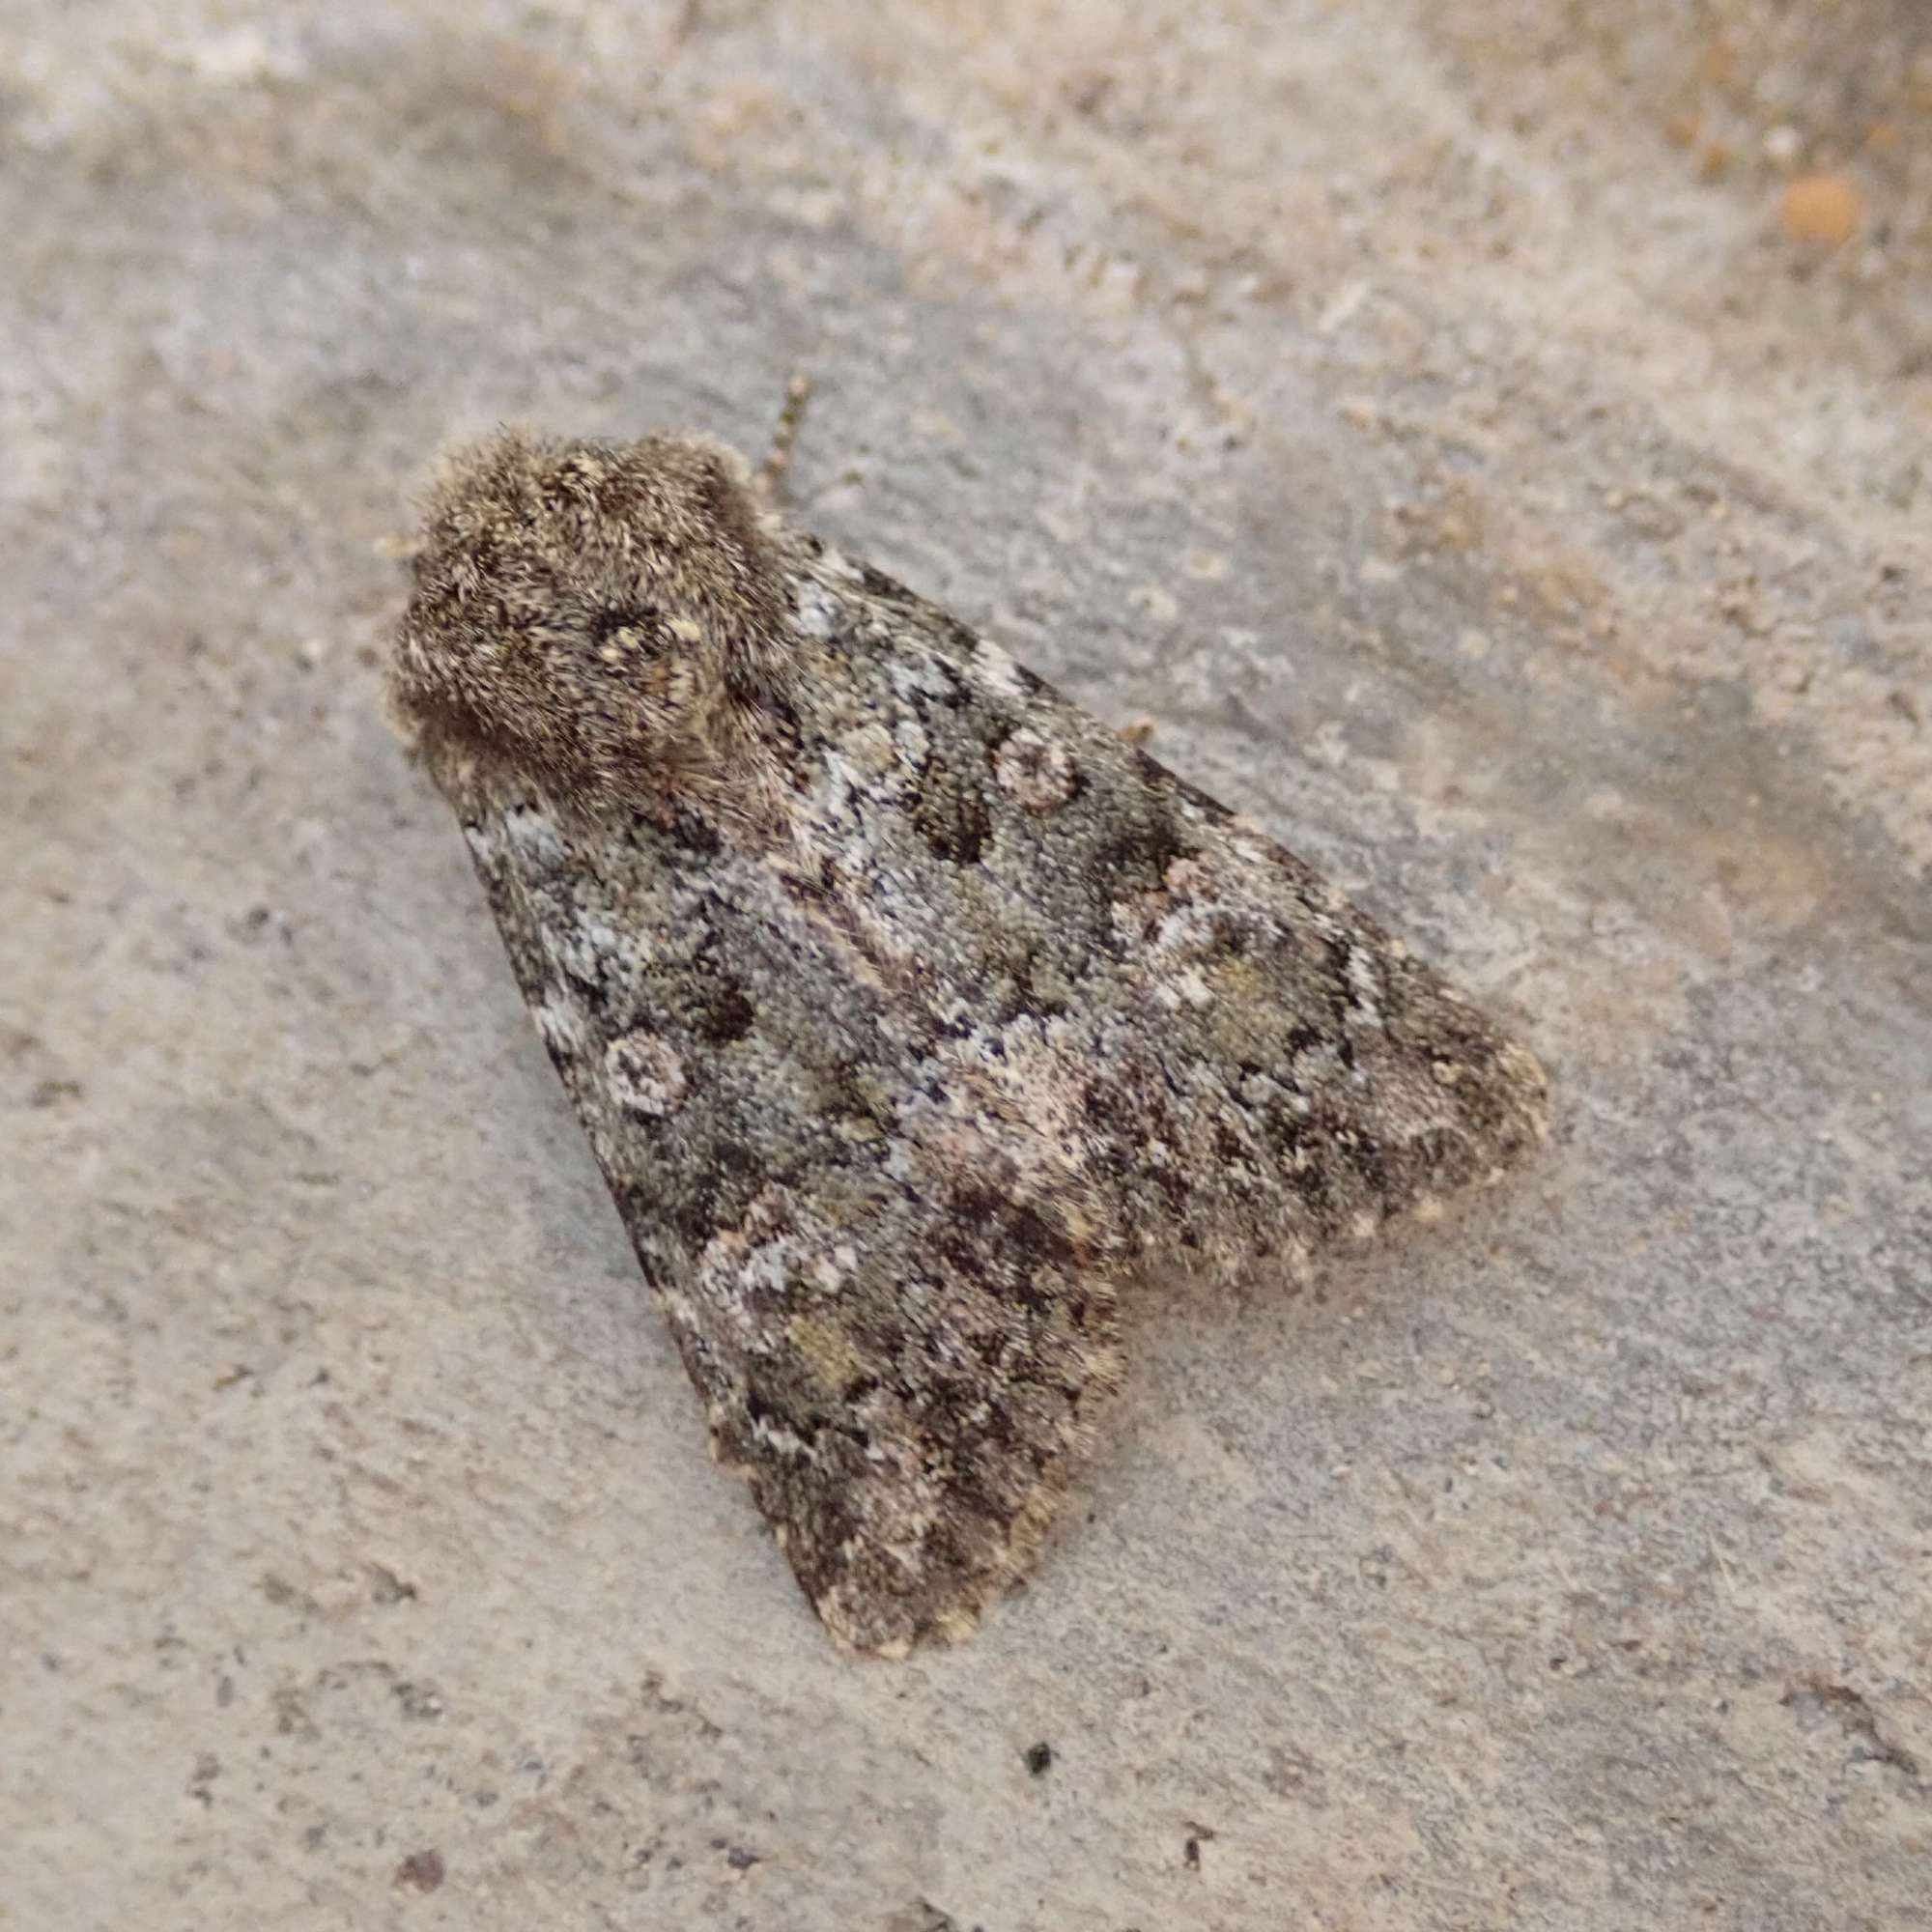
(1420, 414)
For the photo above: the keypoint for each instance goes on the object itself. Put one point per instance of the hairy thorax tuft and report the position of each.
(609, 618)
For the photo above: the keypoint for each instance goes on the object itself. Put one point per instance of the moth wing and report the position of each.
(892, 1288)
(1260, 1069)
(906, 1403)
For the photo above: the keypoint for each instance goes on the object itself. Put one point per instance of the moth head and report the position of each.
(607, 617)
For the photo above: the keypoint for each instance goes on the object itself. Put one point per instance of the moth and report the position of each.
(907, 1007)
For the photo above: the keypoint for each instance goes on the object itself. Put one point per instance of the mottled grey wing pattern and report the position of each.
(904, 1004)
(1249, 1065)
(892, 1290)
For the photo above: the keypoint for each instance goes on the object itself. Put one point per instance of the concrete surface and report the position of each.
(1436, 421)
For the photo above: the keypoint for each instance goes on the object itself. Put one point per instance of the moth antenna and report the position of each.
(769, 480)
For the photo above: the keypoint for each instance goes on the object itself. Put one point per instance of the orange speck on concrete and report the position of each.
(1824, 209)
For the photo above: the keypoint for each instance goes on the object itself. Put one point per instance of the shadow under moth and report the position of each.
(907, 1007)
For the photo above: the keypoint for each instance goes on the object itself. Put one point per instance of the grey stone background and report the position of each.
(1425, 415)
